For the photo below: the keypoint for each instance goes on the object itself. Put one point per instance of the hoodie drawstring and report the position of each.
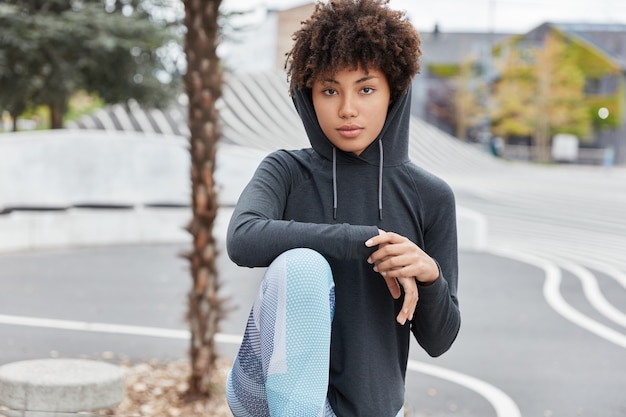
(380, 182)
(334, 183)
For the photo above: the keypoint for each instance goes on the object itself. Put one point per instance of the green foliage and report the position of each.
(511, 104)
(613, 103)
(82, 103)
(49, 49)
(541, 91)
(39, 115)
(591, 61)
(444, 70)
(469, 99)
(563, 83)
(541, 94)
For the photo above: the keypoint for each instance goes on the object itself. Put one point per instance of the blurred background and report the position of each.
(520, 106)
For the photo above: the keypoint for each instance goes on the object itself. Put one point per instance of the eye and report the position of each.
(329, 92)
(367, 90)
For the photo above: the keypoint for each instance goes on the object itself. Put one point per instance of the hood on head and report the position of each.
(390, 148)
(394, 134)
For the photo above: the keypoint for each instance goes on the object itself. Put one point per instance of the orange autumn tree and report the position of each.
(540, 93)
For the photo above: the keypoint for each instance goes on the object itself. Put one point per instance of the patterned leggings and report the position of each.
(281, 369)
(282, 366)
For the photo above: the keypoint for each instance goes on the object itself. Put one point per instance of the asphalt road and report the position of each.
(514, 354)
(543, 307)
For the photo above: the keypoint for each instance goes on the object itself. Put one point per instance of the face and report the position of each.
(351, 107)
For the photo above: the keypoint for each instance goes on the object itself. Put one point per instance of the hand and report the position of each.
(401, 262)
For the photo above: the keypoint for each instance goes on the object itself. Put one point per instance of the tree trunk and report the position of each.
(203, 83)
(56, 116)
(542, 124)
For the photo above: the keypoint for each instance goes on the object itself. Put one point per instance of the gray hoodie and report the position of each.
(332, 201)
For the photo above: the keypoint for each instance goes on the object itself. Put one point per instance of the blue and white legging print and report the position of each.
(281, 369)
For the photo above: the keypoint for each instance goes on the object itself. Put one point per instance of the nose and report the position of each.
(347, 107)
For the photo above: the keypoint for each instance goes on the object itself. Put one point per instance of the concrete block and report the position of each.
(61, 385)
(471, 229)
(62, 168)
(31, 230)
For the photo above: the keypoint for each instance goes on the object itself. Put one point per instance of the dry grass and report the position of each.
(158, 389)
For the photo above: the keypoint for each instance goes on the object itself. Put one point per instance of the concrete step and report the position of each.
(61, 385)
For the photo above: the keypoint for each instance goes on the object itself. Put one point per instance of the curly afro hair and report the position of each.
(345, 34)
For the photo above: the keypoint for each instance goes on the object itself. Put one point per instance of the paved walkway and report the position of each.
(544, 306)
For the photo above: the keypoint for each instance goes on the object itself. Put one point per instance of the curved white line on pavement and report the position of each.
(502, 403)
(551, 292)
(609, 270)
(595, 263)
(593, 293)
(590, 286)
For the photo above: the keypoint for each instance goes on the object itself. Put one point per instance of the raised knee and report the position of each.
(306, 256)
(306, 266)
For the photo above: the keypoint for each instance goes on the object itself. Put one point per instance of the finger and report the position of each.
(407, 312)
(383, 253)
(397, 266)
(373, 241)
(382, 238)
(394, 248)
(410, 299)
(394, 287)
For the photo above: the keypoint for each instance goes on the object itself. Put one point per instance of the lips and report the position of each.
(349, 131)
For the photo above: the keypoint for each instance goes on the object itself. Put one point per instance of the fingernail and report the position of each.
(375, 268)
(369, 260)
(368, 242)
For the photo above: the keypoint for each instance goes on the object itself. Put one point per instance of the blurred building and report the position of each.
(288, 21)
(443, 53)
(262, 46)
(266, 44)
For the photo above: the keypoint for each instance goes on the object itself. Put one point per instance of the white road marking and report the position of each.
(593, 293)
(502, 404)
(109, 328)
(552, 294)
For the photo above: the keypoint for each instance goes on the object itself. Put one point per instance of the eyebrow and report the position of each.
(359, 81)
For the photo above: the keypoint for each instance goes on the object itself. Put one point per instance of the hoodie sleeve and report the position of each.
(257, 234)
(437, 318)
